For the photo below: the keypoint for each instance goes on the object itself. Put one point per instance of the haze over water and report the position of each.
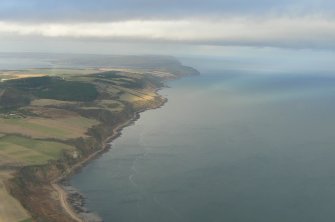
(247, 140)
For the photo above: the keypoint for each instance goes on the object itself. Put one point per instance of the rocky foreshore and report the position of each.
(78, 201)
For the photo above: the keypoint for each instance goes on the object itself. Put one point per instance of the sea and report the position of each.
(249, 140)
(252, 139)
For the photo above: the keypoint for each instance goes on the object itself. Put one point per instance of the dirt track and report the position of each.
(63, 199)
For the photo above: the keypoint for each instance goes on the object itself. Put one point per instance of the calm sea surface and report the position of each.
(233, 145)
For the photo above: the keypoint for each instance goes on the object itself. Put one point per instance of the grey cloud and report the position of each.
(108, 10)
(298, 32)
(92, 21)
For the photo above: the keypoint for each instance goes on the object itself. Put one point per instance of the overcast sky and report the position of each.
(132, 25)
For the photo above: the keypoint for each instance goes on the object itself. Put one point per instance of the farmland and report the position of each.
(41, 111)
(51, 119)
(65, 128)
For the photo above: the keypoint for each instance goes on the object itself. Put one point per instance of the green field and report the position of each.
(50, 102)
(64, 128)
(25, 151)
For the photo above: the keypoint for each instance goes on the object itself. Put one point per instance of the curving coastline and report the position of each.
(116, 132)
(41, 188)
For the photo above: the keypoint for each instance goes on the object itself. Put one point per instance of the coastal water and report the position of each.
(235, 145)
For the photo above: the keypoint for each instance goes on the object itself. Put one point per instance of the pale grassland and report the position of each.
(122, 79)
(5, 77)
(113, 90)
(49, 71)
(58, 72)
(137, 73)
(161, 74)
(63, 128)
(112, 105)
(64, 73)
(10, 209)
(48, 102)
(10, 76)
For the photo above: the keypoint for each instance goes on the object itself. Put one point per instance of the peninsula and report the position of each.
(53, 120)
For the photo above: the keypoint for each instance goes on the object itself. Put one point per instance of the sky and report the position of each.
(165, 26)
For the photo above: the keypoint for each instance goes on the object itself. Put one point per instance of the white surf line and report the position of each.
(135, 171)
(139, 156)
(139, 194)
(132, 181)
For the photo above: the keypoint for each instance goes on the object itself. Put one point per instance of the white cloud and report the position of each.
(277, 31)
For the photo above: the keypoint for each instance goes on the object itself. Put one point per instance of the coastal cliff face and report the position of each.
(32, 184)
(113, 99)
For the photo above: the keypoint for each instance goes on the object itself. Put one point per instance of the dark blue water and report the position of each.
(230, 145)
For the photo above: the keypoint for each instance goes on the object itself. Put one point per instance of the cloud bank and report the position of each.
(297, 32)
(282, 23)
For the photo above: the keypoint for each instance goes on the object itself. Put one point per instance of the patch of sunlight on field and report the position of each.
(10, 209)
(25, 151)
(65, 128)
(134, 96)
(129, 97)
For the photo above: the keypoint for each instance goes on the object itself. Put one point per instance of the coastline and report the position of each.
(58, 185)
(41, 189)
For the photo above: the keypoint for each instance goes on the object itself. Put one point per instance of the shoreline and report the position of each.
(57, 185)
(42, 190)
